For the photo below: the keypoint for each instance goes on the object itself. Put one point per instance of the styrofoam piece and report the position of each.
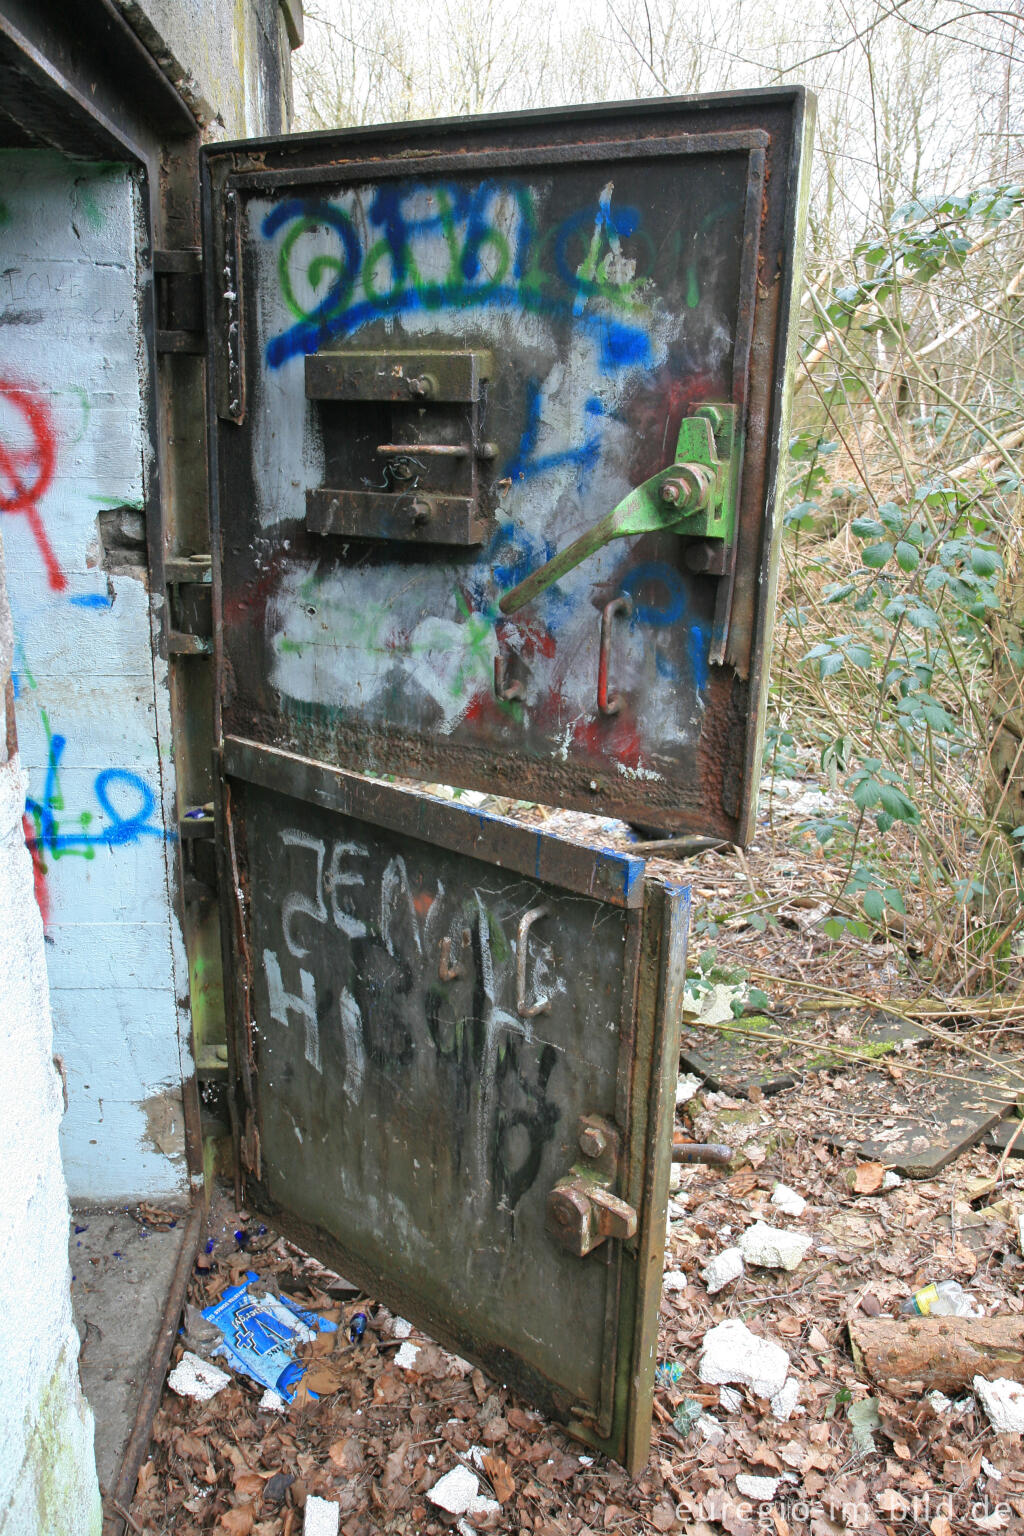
(323, 1517)
(687, 1088)
(760, 1488)
(729, 1399)
(272, 1402)
(772, 1247)
(785, 1400)
(939, 1401)
(458, 1493)
(788, 1201)
(1003, 1401)
(401, 1328)
(709, 1427)
(673, 1280)
(731, 1353)
(406, 1357)
(193, 1377)
(723, 1269)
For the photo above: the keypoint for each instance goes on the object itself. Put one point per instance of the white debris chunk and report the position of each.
(731, 1353)
(722, 1270)
(710, 1428)
(675, 1176)
(687, 1088)
(323, 1517)
(400, 1328)
(788, 1201)
(193, 1377)
(991, 1471)
(729, 1399)
(785, 1400)
(772, 1248)
(940, 1402)
(272, 1402)
(1003, 1401)
(476, 1454)
(891, 1180)
(405, 1359)
(759, 1488)
(455, 1492)
(673, 1280)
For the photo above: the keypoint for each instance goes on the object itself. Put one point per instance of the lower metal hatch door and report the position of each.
(454, 1048)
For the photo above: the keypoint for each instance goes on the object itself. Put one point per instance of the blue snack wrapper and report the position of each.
(261, 1333)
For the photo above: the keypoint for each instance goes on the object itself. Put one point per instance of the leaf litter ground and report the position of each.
(851, 1458)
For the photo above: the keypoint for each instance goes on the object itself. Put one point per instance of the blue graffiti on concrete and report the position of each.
(467, 222)
(121, 828)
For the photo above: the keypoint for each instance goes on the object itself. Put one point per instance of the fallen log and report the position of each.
(909, 1356)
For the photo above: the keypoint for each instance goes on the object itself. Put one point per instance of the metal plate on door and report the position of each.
(436, 372)
(459, 1086)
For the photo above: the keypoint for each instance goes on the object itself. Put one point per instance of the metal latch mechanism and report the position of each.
(694, 497)
(411, 430)
(582, 1211)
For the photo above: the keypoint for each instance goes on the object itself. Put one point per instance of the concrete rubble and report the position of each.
(322, 1517)
(1003, 1401)
(732, 1354)
(193, 1377)
(723, 1269)
(773, 1247)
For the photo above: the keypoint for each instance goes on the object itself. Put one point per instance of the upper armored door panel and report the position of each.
(443, 355)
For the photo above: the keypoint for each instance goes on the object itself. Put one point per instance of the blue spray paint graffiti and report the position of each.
(527, 464)
(130, 825)
(489, 216)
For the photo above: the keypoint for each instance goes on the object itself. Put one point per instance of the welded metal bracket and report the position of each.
(694, 497)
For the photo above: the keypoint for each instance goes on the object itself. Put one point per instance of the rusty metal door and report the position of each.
(495, 417)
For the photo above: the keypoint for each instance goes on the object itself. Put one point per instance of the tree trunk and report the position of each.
(911, 1356)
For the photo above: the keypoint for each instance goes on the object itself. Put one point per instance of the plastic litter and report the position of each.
(406, 1356)
(260, 1335)
(1003, 1401)
(723, 1269)
(731, 1353)
(357, 1327)
(668, 1373)
(760, 1488)
(773, 1248)
(197, 1378)
(946, 1299)
(788, 1201)
(323, 1517)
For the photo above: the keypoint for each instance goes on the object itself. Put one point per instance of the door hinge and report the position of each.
(189, 581)
(178, 278)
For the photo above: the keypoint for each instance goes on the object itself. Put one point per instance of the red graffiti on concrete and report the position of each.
(27, 460)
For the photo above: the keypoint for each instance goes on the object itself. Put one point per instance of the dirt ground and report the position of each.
(851, 1457)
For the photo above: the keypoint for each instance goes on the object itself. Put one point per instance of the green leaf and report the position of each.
(907, 557)
(984, 561)
(874, 905)
(894, 900)
(875, 556)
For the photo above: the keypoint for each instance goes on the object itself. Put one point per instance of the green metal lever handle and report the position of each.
(686, 497)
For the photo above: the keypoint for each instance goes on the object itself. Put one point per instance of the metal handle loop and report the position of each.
(609, 704)
(523, 1008)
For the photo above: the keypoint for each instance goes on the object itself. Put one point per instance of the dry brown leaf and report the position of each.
(868, 1178)
(347, 1455)
(248, 1485)
(500, 1478)
(940, 1526)
(146, 1480)
(663, 1515)
(325, 1377)
(237, 1522)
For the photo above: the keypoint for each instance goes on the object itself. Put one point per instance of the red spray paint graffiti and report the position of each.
(28, 454)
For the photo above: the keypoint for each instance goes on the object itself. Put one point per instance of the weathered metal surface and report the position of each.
(437, 1029)
(621, 266)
